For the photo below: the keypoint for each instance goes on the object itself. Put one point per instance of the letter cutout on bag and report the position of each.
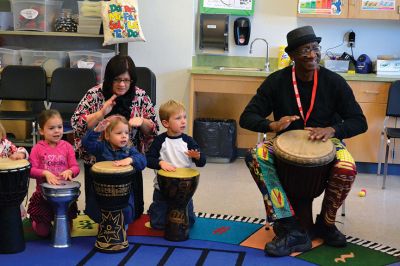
(121, 22)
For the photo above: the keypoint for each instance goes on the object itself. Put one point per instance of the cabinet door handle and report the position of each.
(371, 92)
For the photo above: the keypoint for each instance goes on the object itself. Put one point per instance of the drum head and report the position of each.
(294, 146)
(7, 163)
(180, 173)
(63, 185)
(108, 167)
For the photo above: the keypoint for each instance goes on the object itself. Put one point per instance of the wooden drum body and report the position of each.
(303, 166)
(14, 179)
(61, 197)
(178, 188)
(112, 186)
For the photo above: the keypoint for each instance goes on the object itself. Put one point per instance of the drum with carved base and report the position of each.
(112, 186)
(177, 187)
(303, 166)
(14, 179)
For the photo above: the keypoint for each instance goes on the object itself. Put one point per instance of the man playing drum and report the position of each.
(305, 96)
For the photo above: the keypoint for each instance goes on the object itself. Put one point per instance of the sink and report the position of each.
(239, 68)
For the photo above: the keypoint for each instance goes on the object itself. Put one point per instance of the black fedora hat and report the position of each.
(300, 36)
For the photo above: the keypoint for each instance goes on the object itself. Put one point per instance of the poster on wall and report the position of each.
(378, 5)
(320, 7)
(230, 7)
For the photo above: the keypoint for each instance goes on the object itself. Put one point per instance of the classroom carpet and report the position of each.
(213, 240)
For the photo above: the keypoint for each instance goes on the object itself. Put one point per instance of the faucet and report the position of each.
(266, 67)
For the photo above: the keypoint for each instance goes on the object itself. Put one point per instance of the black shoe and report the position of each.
(289, 238)
(330, 234)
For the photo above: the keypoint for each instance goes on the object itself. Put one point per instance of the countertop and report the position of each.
(208, 65)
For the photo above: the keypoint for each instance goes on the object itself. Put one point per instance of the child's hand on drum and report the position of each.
(50, 178)
(167, 166)
(123, 162)
(67, 174)
(193, 154)
(17, 156)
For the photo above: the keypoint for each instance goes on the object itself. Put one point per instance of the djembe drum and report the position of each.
(177, 187)
(112, 186)
(14, 179)
(303, 166)
(60, 198)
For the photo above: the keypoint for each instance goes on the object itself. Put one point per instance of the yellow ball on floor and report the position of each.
(361, 194)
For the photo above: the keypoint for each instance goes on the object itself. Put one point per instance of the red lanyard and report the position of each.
(296, 92)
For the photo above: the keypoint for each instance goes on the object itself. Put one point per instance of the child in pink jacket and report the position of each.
(52, 160)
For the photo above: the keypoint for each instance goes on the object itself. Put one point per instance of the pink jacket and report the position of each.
(54, 159)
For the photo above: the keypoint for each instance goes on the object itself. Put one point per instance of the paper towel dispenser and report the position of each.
(214, 31)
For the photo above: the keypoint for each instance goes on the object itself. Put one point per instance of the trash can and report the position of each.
(216, 138)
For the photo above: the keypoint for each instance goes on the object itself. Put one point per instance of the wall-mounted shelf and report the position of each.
(52, 34)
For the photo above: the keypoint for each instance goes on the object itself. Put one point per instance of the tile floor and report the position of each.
(230, 189)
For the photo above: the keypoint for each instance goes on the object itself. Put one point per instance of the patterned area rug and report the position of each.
(214, 240)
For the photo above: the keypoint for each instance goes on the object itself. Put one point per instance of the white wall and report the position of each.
(169, 27)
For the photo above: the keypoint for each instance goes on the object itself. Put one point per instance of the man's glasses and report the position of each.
(126, 81)
(306, 50)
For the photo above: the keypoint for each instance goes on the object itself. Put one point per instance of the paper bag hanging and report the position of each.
(121, 22)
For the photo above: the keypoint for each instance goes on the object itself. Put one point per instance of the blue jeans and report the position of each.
(92, 208)
(158, 211)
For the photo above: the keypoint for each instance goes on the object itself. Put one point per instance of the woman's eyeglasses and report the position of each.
(306, 50)
(118, 80)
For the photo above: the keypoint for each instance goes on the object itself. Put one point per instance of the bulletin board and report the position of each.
(229, 7)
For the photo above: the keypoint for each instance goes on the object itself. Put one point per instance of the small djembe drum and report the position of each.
(61, 197)
(112, 186)
(303, 166)
(178, 188)
(14, 179)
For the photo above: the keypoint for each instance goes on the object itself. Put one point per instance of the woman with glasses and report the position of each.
(117, 95)
(311, 97)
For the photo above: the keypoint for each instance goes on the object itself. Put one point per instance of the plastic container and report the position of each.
(89, 8)
(9, 56)
(283, 58)
(95, 59)
(337, 65)
(6, 21)
(38, 15)
(49, 60)
(216, 138)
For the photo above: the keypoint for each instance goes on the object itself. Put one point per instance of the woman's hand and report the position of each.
(136, 121)
(167, 167)
(67, 174)
(123, 162)
(50, 178)
(321, 133)
(193, 154)
(17, 156)
(108, 105)
(283, 123)
(102, 125)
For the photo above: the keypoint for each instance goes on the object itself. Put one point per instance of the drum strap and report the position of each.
(297, 94)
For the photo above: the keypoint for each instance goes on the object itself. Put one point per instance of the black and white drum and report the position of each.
(14, 179)
(61, 197)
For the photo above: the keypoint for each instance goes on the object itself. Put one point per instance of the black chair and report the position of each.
(24, 83)
(68, 86)
(392, 111)
(147, 81)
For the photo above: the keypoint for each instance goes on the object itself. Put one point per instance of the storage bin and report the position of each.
(337, 65)
(95, 59)
(38, 15)
(89, 8)
(9, 56)
(216, 138)
(49, 60)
